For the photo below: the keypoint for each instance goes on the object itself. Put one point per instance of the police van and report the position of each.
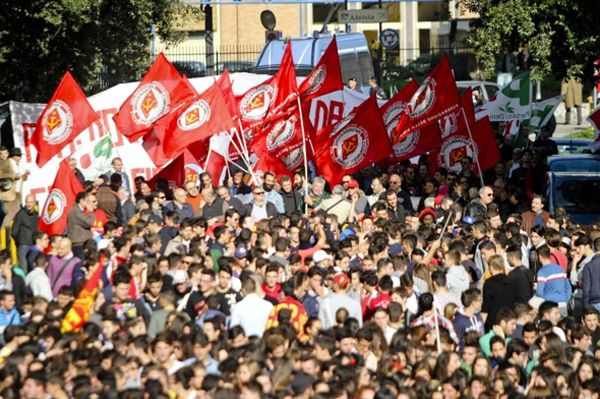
(353, 49)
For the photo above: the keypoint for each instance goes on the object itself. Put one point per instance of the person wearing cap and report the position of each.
(358, 200)
(337, 205)
(329, 305)
(11, 171)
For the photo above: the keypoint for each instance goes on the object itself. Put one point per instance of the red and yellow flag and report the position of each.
(80, 312)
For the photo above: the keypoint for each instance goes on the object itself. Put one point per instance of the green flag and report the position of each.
(542, 111)
(512, 102)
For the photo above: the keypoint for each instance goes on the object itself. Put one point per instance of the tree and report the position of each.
(563, 35)
(41, 39)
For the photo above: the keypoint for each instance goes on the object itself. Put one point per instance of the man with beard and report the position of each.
(270, 194)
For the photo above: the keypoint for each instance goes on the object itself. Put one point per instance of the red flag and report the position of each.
(253, 105)
(269, 97)
(67, 113)
(61, 199)
(436, 97)
(281, 164)
(281, 134)
(417, 143)
(287, 86)
(326, 77)
(199, 118)
(457, 143)
(224, 84)
(352, 144)
(183, 169)
(216, 160)
(82, 307)
(156, 95)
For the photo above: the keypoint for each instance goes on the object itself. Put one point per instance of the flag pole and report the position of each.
(246, 154)
(304, 151)
(462, 111)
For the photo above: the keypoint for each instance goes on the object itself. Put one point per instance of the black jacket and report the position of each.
(591, 281)
(292, 201)
(476, 209)
(271, 210)
(523, 281)
(24, 225)
(499, 291)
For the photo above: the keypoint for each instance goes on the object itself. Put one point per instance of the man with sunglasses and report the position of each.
(477, 208)
(259, 208)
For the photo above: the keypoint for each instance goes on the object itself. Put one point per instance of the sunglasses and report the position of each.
(259, 193)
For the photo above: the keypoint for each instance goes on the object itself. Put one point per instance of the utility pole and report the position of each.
(208, 39)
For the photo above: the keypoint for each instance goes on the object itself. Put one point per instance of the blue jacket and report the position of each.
(591, 281)
(553, 284)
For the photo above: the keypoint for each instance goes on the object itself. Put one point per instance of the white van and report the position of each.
(355, 58)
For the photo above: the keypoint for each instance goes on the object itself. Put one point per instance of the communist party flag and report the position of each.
(157, 94)
(286, 164)
(80, 311)
(197, 119)
(436, 97)
(66, 115)
(456, 142)
(268, 98)
(352, 144)
(61, 199)
(325, 78)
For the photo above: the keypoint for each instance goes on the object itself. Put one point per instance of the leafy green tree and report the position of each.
(563, 35)
(41, 39)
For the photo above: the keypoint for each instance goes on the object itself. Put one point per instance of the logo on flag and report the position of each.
(406, 145)
(256, 102)
(316, 80)
(390, 118)
(281, 133)
(293, 160)
(424, 98)
(55, 206)
(350, 147)
(448, 125)
(194, 116)
(149, 102)
(57, 122)
(454, 150)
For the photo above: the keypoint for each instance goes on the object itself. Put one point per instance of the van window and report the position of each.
(350, 68)
(364, 61)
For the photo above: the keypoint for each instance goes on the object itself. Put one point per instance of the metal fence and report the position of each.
(195, 61)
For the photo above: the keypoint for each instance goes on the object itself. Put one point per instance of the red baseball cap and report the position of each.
(352, 184)
(341, 279)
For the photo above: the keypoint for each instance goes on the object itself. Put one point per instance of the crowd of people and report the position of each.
(394, 283)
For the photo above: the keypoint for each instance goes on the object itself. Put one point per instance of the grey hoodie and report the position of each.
(457, 280)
